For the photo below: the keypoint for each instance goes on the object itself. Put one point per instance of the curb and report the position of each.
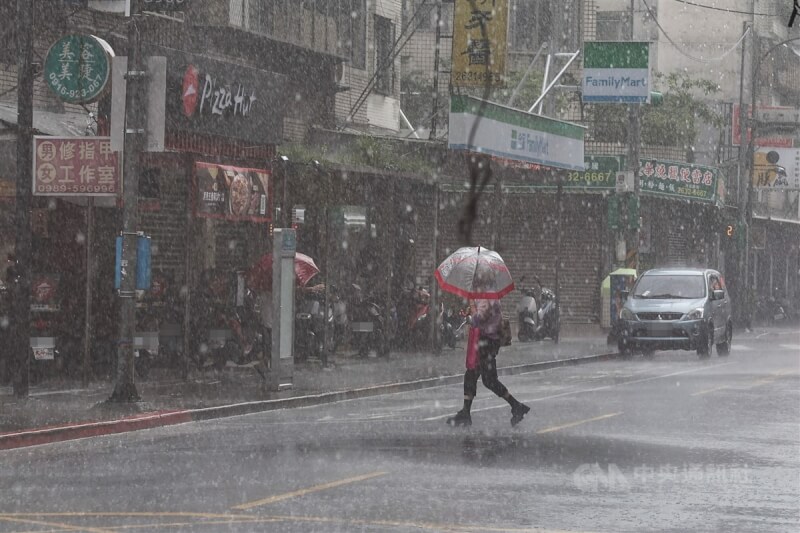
(149, 420)
(47, 435)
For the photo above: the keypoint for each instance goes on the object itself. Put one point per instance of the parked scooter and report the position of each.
(158, 336)
(774, 310)
(231, 332)
(453, 325)
(338, 320)
(537, 319)
(414, 317)
(367, 325)
(309, 328)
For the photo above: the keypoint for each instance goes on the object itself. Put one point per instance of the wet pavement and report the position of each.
(672, 443)
(57, 402)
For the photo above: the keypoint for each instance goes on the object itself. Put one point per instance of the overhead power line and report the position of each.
(715, 8)
(384, 63)
(678, 48)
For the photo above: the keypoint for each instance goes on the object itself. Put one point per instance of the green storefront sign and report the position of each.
(600, 172)
(599, 176)
(681, 180)
(77, 68)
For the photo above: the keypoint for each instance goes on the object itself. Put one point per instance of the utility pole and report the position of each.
(21, 287)
(436, 69)
(742, 191)
(135, 117)
(634, 142)
(434, 307)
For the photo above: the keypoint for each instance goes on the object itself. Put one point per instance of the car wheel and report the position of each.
(706, 342)
(624, 350)
(724, 348)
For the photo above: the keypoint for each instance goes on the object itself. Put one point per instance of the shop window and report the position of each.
(288, 20)
(353, 28)
(384, 40)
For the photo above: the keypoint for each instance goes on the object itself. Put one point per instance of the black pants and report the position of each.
(487, 370)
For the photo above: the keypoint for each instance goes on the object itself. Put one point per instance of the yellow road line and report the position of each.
(60, 526)
(750, 384)
(221, 519)
(421, 525)
(303, 492)
(709, 390)
(578, 423)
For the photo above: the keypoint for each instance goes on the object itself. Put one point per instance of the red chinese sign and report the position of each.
(75, 166)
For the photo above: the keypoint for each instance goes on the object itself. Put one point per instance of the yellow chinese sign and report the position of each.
(480, 38)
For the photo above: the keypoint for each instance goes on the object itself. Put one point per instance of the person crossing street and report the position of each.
(487, 317)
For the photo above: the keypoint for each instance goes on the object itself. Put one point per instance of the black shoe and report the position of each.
(518, 412)
(461, 418)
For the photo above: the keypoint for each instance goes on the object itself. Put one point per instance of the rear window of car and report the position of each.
(671, 286)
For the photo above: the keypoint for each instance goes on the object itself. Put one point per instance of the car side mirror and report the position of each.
(625, 294)
(718, 294)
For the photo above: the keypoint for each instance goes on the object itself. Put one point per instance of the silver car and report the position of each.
(677, 308)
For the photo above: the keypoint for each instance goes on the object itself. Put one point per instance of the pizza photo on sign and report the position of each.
(44, 292)
(231, 193)
(239, 195)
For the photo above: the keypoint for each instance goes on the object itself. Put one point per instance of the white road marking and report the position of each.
(794, 347)
(580, 391)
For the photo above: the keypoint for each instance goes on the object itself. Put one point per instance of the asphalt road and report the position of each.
(669, 444)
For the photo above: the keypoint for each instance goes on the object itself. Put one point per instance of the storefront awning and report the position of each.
(48, 122)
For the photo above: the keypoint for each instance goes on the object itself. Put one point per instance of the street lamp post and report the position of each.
(753, 123)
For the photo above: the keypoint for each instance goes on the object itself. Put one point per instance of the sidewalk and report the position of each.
(64, 410)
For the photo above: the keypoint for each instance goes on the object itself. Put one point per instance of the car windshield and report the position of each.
(672, 286)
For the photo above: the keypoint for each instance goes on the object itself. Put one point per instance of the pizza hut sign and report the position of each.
(215, 99)
(211, 97)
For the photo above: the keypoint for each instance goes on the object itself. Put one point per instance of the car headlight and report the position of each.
(627, 314)
(695, 314)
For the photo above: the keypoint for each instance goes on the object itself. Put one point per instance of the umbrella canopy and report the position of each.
(475, 272)
(259, 276)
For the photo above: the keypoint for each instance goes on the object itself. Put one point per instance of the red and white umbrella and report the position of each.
(475, 272)
(259, 276)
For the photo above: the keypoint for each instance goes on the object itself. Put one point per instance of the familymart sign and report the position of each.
(616, 72)
(507, 133)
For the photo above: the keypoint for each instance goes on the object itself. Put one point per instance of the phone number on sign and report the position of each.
(590, 178)
(98, 189)
(699, 193)
(481, 77)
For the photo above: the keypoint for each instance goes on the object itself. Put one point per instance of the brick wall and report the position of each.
(528, 244)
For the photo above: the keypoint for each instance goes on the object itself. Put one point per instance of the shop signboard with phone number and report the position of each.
(673, 178)
(75, 166)
(600, 173)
